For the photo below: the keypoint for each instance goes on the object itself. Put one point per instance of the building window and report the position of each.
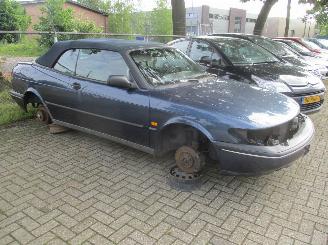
(237, 28)
(250, 20)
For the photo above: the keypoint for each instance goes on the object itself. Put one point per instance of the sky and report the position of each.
(253, 6)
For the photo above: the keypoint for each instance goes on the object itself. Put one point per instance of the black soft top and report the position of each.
(118, 45)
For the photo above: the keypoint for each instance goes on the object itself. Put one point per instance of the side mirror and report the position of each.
(120, 82)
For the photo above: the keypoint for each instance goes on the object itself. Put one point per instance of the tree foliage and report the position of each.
(57, 19)
(161, 19)
(120, 16)
(320, 13)
(96, 4)
(12, 18)
(263, 15)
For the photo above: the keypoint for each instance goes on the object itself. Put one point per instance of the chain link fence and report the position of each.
(60, 36)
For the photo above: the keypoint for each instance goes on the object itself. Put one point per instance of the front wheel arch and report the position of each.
(173, 136)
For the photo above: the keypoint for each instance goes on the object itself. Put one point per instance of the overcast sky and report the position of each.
(253, 6)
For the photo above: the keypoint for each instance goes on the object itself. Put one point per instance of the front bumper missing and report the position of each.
(238, 159)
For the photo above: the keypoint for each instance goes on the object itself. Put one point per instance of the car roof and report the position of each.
(117, 45)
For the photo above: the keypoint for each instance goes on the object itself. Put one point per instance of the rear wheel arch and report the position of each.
(31, 96)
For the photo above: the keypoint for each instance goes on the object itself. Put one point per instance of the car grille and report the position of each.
(307, 94)
(311, 106)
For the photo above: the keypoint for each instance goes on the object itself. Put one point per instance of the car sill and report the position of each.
(106, 136)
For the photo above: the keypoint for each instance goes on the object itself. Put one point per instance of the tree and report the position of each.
(320, 13)
(100, 5)
(179, 17)
(161, 19)
(12, 18)
(120, 16)
(287, 18)
(263, 15)
(55, 18)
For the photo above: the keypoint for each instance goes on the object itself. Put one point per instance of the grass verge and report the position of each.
(27, 47)
(9, 111)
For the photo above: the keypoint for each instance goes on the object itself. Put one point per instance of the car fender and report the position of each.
(37, 94)
(188, 122)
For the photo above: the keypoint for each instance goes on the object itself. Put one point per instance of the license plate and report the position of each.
(311, 99)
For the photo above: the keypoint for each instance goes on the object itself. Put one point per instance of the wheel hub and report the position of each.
(188, 159)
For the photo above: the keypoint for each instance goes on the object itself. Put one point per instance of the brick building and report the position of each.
(80, 11)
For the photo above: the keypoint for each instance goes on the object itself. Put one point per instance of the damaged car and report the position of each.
(154, 98)
(249, 63)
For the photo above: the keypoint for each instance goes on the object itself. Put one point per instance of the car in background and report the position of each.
(247, 62)
(154, 98)
(302, 42)
(322, 43)
(311, 57)
(281, 51)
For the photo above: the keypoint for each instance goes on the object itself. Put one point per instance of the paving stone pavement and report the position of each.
(74, 188)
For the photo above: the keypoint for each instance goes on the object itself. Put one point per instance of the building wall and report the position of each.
(205, 20)
(275, 27)
(33, 10)
(234, 14)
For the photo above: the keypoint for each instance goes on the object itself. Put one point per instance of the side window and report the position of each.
(67, 62)
(201, 51)
(100, 64)
(182, 45)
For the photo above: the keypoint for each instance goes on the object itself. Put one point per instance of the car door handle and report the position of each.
(76, 86)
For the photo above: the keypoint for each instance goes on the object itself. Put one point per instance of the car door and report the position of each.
(119, 112)
(59, 91)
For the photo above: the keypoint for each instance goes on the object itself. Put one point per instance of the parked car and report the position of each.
(308, 45)
(311, 57)
(322, 43)
(154, 98)
(280, 51)
(247, 62)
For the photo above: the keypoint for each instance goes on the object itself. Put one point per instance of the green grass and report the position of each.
(27, 47)
(9, 111)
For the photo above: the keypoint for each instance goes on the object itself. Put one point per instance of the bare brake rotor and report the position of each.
(189, 160)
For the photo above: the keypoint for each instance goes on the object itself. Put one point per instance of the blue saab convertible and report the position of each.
(154, 98)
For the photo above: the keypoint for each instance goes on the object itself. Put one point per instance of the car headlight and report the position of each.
(274, 86)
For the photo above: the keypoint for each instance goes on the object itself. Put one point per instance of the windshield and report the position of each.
(244, 52)
(165, 66)
(323, 42)
(298, 47)
(269, 45)
(311, 45)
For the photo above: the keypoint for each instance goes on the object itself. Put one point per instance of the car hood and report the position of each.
(279, 72)
(230, 102)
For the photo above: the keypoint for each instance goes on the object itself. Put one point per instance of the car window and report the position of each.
(200, 50)
(181, 45)
(67, 62)
(100, 64)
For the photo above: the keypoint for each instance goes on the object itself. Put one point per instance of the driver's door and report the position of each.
(119, 112)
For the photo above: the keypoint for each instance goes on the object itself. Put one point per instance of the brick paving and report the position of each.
(74, 188)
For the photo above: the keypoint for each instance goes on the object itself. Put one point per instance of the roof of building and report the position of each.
(68, 1)
(117, 45)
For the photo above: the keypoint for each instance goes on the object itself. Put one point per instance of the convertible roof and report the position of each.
(118, 45)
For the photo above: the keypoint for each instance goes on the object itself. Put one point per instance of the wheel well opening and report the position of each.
(176, 135)
(31, 98)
